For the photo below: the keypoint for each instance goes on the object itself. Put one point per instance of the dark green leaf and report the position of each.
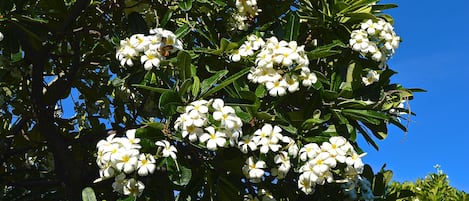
(326, 50)
(168, 102)
(154, 89)
(226, 82)
(211, 81)
(167, 16)
(182, 31)
(196, 86)
(184, 64)
(293, 26)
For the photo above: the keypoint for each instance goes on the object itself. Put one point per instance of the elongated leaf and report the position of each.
(154, 89)
(182, 31)
(166, 18)
(366, 113)
(87, 194)
(184, 64)
(185, 87)
(326, 50)
(226, 82)
(293, 26)
(365, 134)
(209, 82)
(195, 86)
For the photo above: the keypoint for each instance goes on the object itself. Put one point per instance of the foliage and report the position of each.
(63, 89)
(435, 186)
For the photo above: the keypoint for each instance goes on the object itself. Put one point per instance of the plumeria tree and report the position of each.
(196, 99)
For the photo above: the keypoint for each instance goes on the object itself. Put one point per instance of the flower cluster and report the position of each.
(280, 65)
(247, 9)
(120, 156)
(319, 161)
(268, 141)
(149, 49)
(210, 122)
(376, 39)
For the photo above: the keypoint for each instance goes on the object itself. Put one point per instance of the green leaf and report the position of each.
(366, 113)
(226, 45)
(326, 50)
(168, 102)
(87, 194)
(212, 80)
(185, 5)
(182, 31)
(154, 89)
(195, 86)
(185, 87)
(166, 18)
(226, 82)
(184, 64)
(293, 26)
(179, 174)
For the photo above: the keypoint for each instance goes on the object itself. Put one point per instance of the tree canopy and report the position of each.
(196, 99)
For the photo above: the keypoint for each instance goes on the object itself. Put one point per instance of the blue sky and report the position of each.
(434, 55)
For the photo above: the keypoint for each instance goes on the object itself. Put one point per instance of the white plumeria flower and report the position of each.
(200, 106)
(152, 58)
(277, 88)
(292, 83)
(270, 145)
(127, 160)
(130, 141)
(227, 117)
(262, 136)
(293, 149)
(305, 184)
(1, 36)
(246, 49)
(355, 161)
(254, 169)
(146, 164)
(371, 78)
(283, 160)
(236, 57)
(309, 151)
(139, 42)
(193, 132)
(169, 150)
(103, 144)
(105, 172)
(359, 40)
(337, 147)
(195, 118)
(322, 163)
(246, 145)
(257, 42)
(133, 187)
(214, 138)
(309, 78)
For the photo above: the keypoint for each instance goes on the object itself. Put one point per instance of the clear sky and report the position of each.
(434, 55)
